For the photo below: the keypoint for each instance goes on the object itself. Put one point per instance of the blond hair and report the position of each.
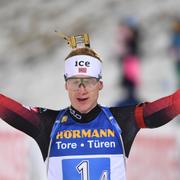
(83, 51)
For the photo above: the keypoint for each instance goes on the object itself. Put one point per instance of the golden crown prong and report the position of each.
(86, 40)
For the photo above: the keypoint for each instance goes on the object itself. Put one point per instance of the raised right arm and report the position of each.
(18, 116)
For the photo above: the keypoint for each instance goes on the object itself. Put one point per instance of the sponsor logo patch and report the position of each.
(64, 119)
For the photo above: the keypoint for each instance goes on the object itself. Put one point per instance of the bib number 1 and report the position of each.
(86, 169)
(83, 169)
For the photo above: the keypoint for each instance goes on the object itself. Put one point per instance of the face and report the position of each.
(83, 92)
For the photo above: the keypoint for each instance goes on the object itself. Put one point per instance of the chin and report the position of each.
(84, 109)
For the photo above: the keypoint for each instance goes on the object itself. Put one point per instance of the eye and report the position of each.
(86, 81)
(75, 81)
(93, 81)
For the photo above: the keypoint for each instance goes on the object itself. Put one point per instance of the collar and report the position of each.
(84, 117)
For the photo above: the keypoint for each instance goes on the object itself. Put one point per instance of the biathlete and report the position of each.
(86, 140)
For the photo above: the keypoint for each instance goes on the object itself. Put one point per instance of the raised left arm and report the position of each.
(157, 113)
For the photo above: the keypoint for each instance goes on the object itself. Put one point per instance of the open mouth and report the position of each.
(82, 99)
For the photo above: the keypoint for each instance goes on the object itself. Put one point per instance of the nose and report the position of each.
(82, 87)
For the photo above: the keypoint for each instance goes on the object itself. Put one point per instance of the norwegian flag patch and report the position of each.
(82, 70)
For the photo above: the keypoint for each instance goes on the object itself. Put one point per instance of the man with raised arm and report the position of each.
(86, 140)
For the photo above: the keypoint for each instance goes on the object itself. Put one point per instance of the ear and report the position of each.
(100, 85)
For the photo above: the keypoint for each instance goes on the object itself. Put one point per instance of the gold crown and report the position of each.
(76, 40)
